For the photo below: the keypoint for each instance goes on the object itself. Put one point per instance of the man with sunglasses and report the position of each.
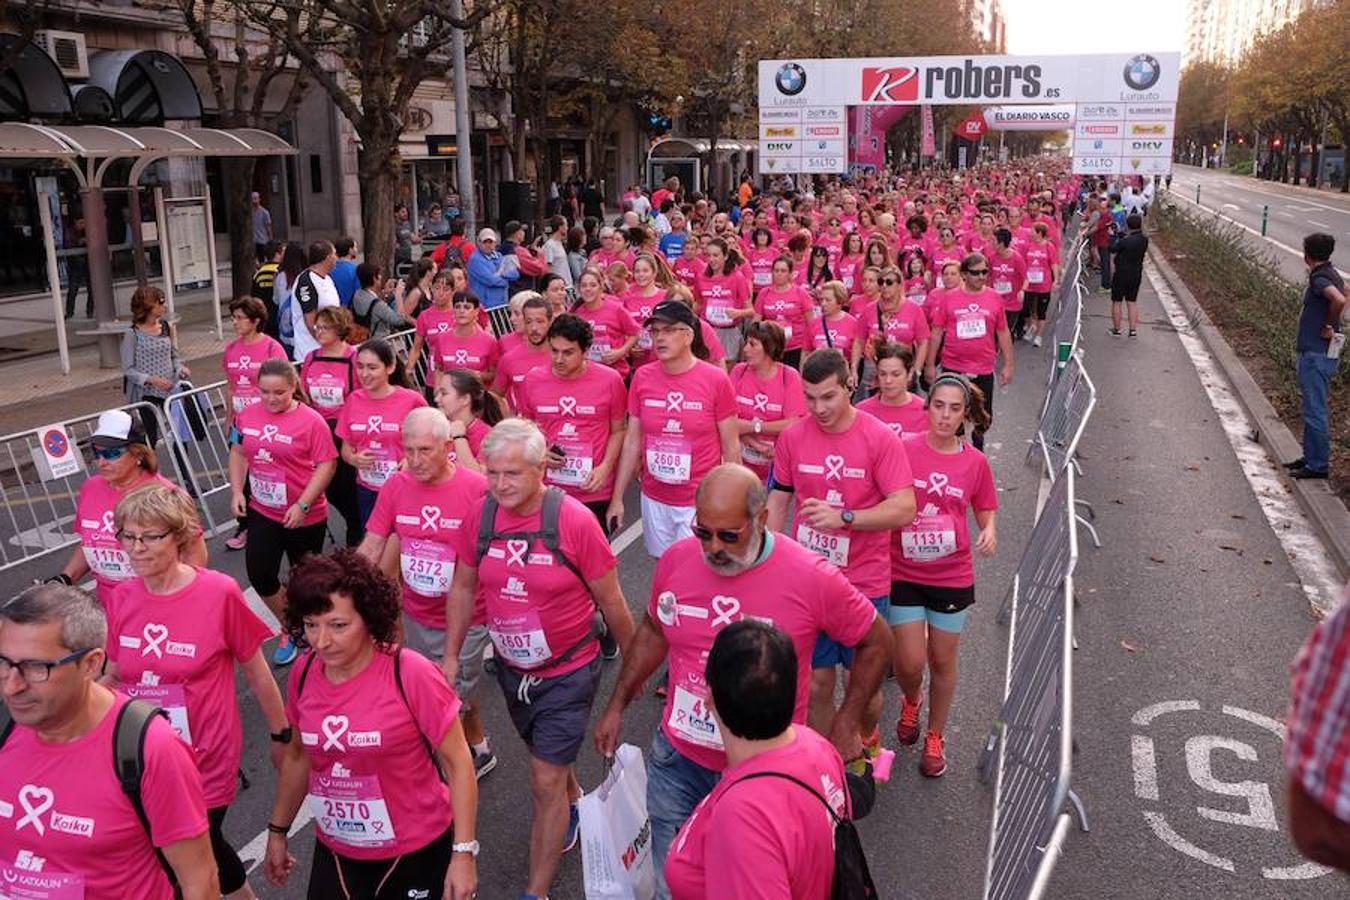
(733, 568)
(67, 829)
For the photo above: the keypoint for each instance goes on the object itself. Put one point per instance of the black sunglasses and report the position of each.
(725, 535)
(977, 272)
(888, 281)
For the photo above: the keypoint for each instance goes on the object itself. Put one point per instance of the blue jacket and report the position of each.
(484, 281)
(344, 279)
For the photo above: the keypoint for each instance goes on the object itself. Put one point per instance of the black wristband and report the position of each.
(278, 829)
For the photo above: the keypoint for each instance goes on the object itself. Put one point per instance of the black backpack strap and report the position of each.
(6, 724)
(426, 742)
(551, 534)
(133, 723)
(797, 781)
(487, 525)
(304, 674)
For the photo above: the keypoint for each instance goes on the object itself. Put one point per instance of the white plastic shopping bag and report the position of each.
(616, 834)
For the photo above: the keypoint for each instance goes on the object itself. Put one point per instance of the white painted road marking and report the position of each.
(1318, 224)
(252, 853)
(1285, 247)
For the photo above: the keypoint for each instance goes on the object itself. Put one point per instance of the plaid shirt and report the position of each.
(1317, 750)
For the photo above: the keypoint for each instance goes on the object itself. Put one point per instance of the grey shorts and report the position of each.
(730, 338)
(551, 714)
(430, 642)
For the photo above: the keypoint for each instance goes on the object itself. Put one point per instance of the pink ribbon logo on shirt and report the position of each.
(442, 327)
(937, 482)
(461, 356)
(154, 635)
(515, 552)
(269, 432)
(244, 361)
(334, 727)
(834, 466)
(431, 517)
(568, 405)
(674, 401)
(109, 522)
(35, 801)
(761, 403)
(374, 423)
(724, 610)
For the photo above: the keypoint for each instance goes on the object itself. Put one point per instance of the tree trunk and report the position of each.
(378, 166)
(237, 182)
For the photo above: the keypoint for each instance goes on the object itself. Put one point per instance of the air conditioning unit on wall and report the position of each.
(67, 49)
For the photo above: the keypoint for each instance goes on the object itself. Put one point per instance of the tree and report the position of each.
(1202, 103)
(242, 67)
(369, 56)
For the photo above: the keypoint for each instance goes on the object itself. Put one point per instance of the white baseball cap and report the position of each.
(486, 234)
(116, 428)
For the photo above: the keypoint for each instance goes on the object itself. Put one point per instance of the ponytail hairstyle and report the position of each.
(482, 404)
(977, 410)
(384, 352)
(281, 368)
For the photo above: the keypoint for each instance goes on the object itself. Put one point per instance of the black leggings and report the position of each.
(232, 874)
(341, 493)
(417, 874)
(268, 540)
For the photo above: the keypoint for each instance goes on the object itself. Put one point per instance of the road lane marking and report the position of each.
(1318, 224)
(626, 537)
(1285, 247)
(256, 604)
(252, 853)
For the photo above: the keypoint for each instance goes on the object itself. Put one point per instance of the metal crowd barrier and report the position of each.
(402, 342)
(199, 419)
(1068, 407)
(1029, 753)
(37, 514)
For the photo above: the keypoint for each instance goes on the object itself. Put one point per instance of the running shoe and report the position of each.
(483, 763)
(907, 729)
(609, 648)
(238, 540)
(1296, 464)
(1036, 342)
(1133, 333)
(573, 827)
(285, 653)
(872, 746)
(1114, 332)
(1303, 472)
(934, 761)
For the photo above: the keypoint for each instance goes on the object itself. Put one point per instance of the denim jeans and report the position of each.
(675, 785)
(1314, 383)
(1104, 257)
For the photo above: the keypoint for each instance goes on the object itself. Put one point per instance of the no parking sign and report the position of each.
(55, 455)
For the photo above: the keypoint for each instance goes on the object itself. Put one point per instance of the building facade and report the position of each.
(1220, 31)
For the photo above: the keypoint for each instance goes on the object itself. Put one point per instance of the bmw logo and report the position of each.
(1141, 73)
(790, 80)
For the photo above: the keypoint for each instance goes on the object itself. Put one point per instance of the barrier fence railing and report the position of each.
(200, 420)
(1029, 754)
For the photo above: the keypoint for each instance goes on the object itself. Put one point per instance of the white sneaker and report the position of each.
(1037, 341)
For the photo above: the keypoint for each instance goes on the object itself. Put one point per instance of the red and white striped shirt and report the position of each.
(1317, 750)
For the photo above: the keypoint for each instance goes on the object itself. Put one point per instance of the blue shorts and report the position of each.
(949, 622)
(830, 653)
(943, 608)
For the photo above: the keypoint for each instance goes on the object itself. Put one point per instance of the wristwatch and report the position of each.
(469, 847)
(284, 735)
(846, 516)
(304, 507)
(759, 426)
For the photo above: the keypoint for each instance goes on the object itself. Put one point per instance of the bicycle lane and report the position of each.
(1188, 618)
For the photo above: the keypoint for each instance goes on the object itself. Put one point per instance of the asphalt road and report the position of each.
(1192, 602)
(1291, 213)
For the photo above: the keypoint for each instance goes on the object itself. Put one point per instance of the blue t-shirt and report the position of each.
(1315, 303)
(344, 279)
(672, 245)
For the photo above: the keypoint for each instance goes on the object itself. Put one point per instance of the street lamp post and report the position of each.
(463, 127)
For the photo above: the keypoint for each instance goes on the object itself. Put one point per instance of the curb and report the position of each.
(1323, 508)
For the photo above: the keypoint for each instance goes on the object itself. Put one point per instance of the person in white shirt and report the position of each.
(555, 251)
(314, 289)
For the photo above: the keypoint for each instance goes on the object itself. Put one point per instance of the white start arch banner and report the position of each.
(1042, 117)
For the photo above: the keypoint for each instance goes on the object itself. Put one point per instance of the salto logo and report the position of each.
(790, 80)
(897, 84)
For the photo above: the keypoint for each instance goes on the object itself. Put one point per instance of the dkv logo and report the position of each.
(896, 84)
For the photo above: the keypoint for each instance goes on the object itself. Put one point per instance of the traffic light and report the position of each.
(658, 123)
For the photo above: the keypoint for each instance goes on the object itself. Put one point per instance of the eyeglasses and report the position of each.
(725, 535)
(36, 671)
(110, 454)
(659, 330)
(978, 273)
(129, 539)
(889, 281)
(458, 304)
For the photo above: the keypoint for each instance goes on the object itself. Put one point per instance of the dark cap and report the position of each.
(675, 313)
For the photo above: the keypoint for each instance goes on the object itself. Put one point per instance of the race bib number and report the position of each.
(21, 884)
(719, 316)
(763, 279)
(928, 538)
(597, 351)
(327, 396)
(1003, 286)
(917, 298)
(787, 331)
(108, 562)
(834, 547)
(520, 640)
(427, 567)
(351, 810)
(243, 401)
(670, 460)
(691, 718)
(576, 468)
(754, 456)
(644, 340)
(1035, 276)
(971, 327)
(268, 487)
(379, 471)
(168, 697)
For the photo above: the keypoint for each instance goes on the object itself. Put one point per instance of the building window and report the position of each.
(316, 173)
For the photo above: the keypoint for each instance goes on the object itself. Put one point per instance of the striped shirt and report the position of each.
(1317, 751)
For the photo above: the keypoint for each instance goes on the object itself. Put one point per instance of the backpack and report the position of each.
(133, 722)
(852, 879)
(398, 683)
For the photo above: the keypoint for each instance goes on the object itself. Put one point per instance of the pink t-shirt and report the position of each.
(843, 332)
(1040, 259)
(508, 342)
(71, 831)
(766, 838)
(687, 270)
(426, 518)
(911, 418)
(476, 432)
(916, 290)
(513, 368)
(178, 651)
(241, 363)
(377, 426)
(640, 307)
(943, 255)
(935, 548)
(789, 309)
(577, 414)
(847, 269)
(717, 354)
(855, 469)
(907, 325)
(718, 294)
(108, 562)
(329, 381)
(283, 450)
(690, 603)
(372, 785)
(535, 606)
(679, 415)
(611, 326)
(761, 265)
(970, 324)
(778, 397)
(477, 352)
(1007, 276)
(434, 321)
